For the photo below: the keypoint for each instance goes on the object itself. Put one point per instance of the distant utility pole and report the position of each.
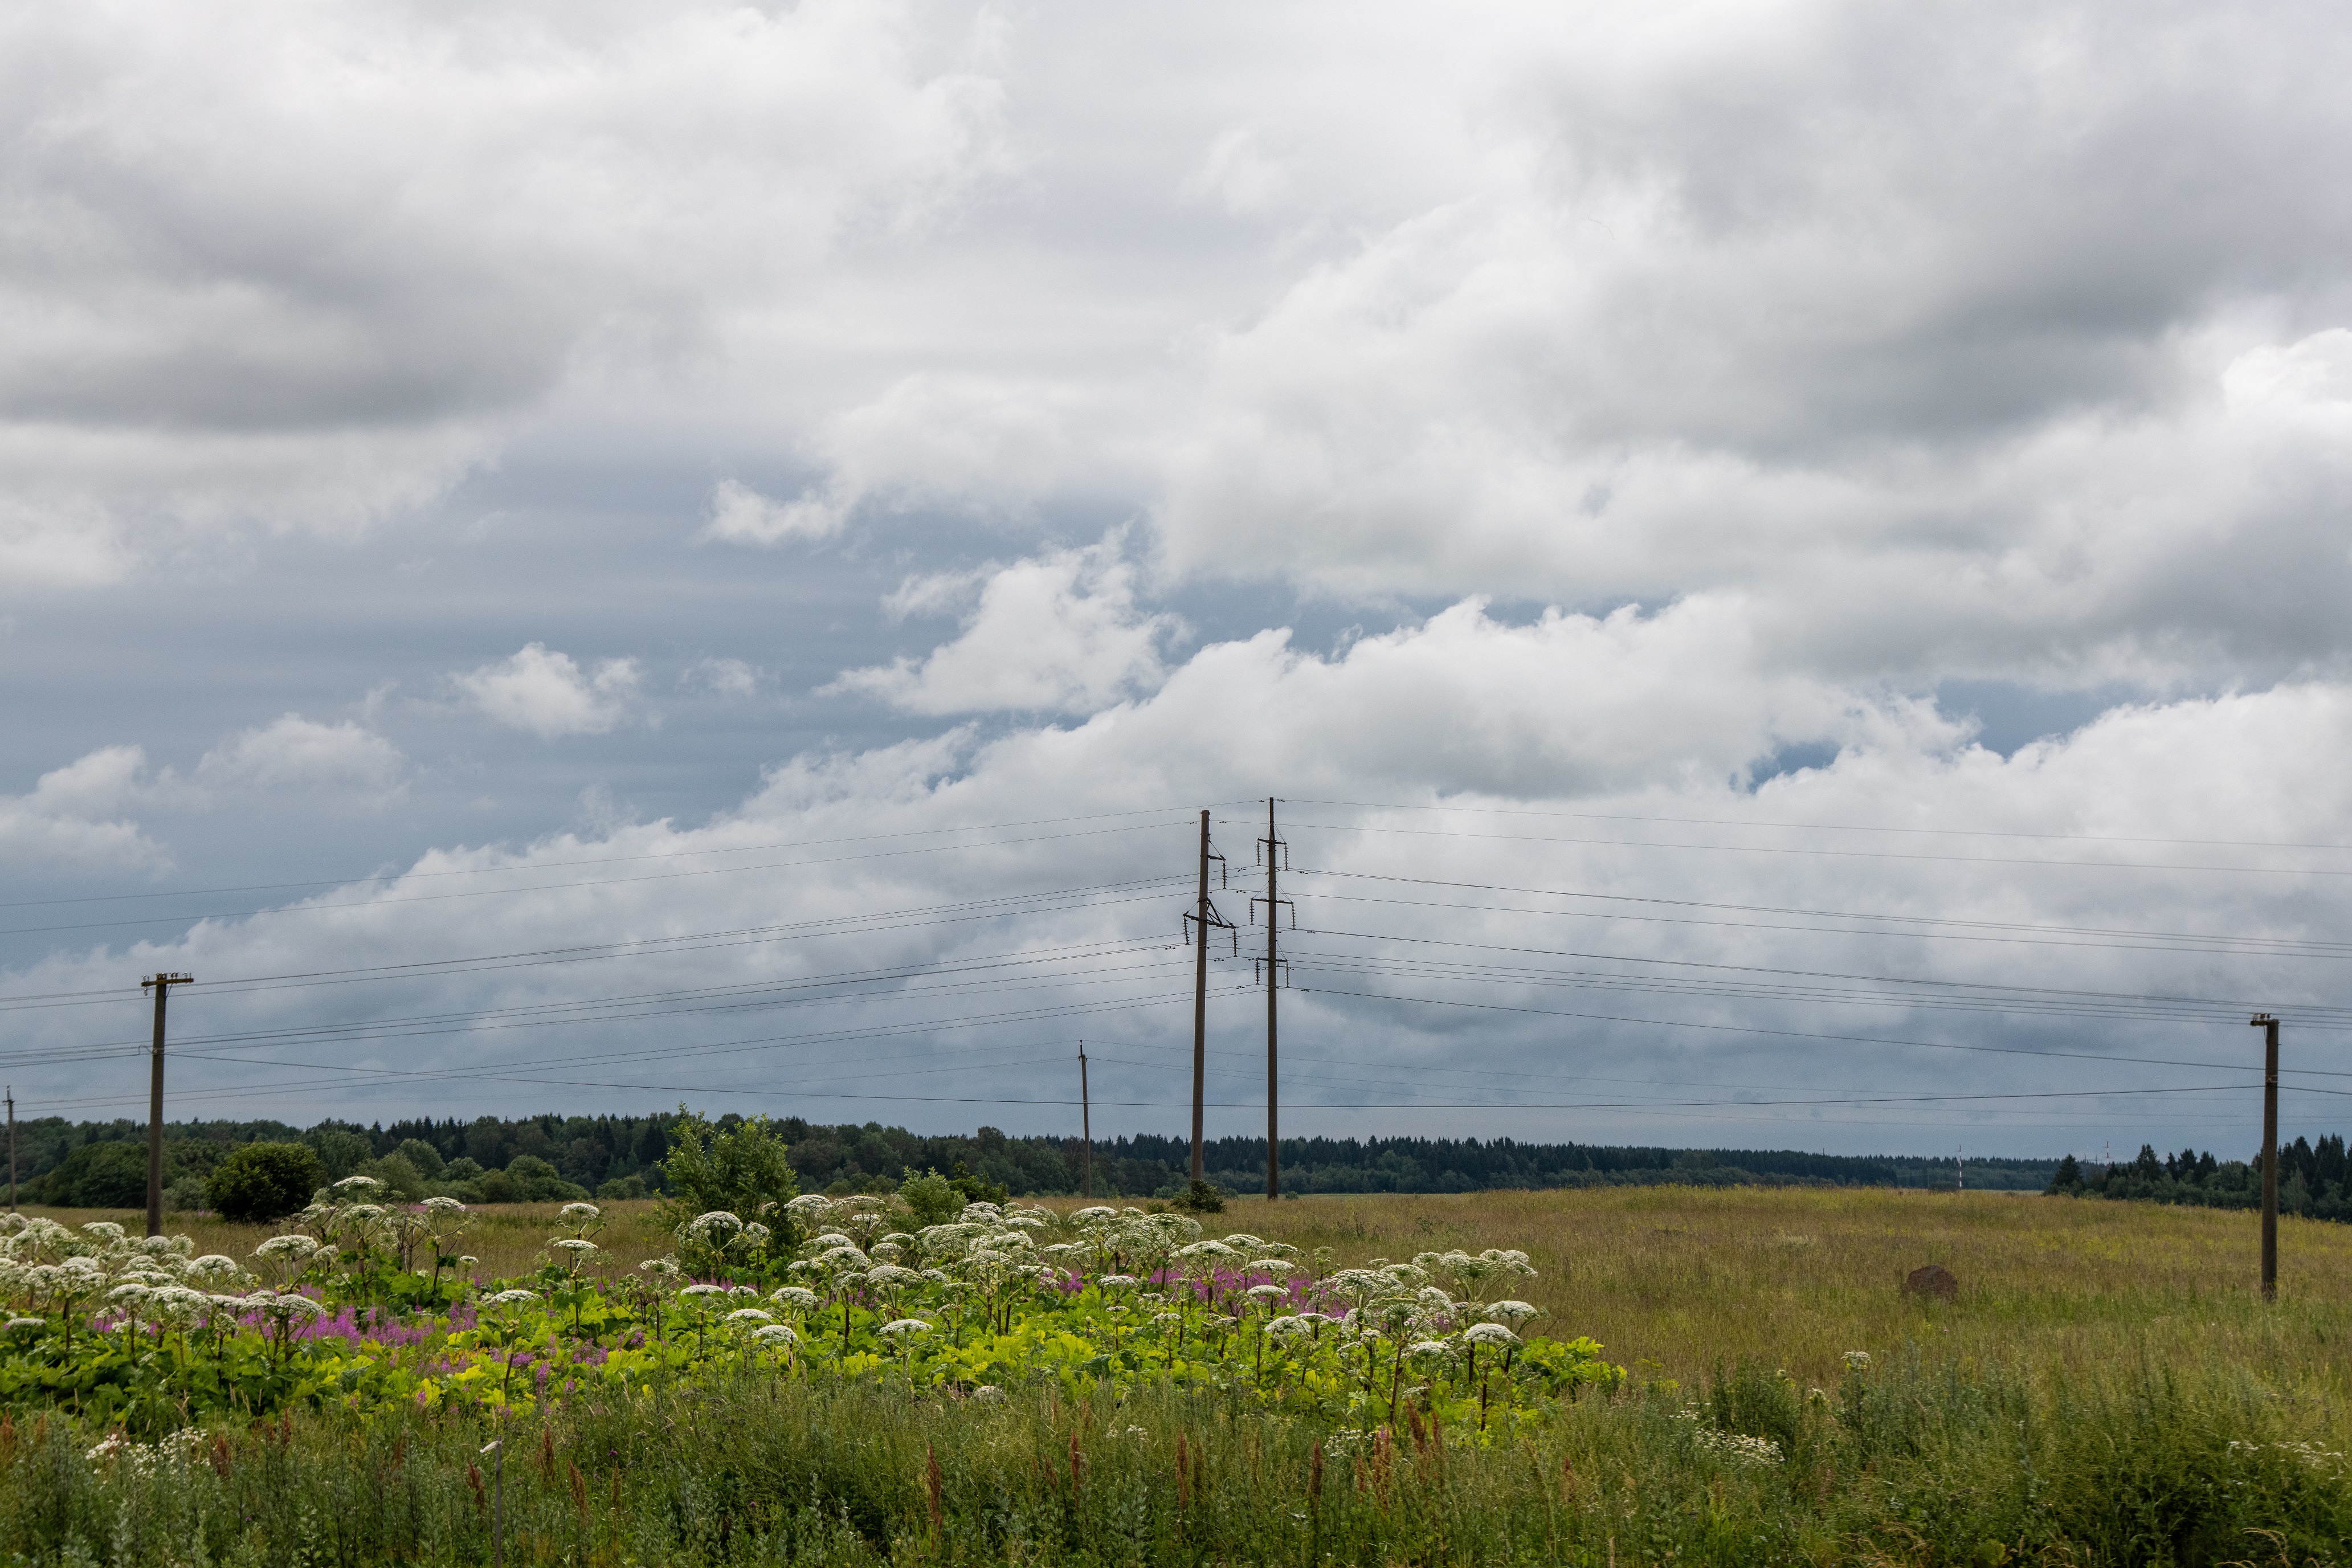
(1086, 1127)
(1960, 1164)
(12, 1148)
(1199, 924)
(1276, 851)
(162, 985)
(2268, 1025)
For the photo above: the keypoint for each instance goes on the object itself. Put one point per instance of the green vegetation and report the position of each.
(263, 1181)
(1894, 1464)
(560, 1159)
(2314, 1180)
(2107, 1389)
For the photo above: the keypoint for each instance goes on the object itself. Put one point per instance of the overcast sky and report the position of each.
(1788, 562)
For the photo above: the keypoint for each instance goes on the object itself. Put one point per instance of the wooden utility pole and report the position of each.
(1203, 919)
(1273, 848)
(1086, 1127)
(1201, 1002)
(12, 1148)
(2269, 1026)
(162, 985)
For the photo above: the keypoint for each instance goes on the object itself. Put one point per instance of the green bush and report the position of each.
(540, 1182)
(264, 1181)
(930, 1198)
(621, 1188)
(423, 1156)
(744, 1170)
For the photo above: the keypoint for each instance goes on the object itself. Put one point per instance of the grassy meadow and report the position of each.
(1674, 1280)
(2108, 1388)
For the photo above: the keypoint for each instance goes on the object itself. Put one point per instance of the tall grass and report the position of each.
(2146, 1464)
(2108, 1388)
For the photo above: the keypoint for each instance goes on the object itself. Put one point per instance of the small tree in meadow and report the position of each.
(741, 1170)
(264, 1181)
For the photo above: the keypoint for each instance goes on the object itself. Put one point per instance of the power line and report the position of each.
(999, 907)
(369, 904)
(2028, 933)
(412, 875)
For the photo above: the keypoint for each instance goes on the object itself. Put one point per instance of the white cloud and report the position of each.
(71, 815)
(236, 300)
(742, 515)
(964, 443)
(1238, 174)
(549, 694)
(293, 751)
(1801, 355)
(1673, 940)
(1059, 634)
(727, 677)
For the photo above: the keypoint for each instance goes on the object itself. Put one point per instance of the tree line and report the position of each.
(2313, 1179)
(490, 1158)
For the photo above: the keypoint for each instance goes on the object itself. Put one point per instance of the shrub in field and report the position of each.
(536, 1181)
(741, 1170)
(931, 1199)
(264, 1181)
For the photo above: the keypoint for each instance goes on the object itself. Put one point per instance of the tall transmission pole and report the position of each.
(1086, 1127)
(1275, 850)
(162, 985)
(1203, 919)
(12, 1148)
(2268, 1025)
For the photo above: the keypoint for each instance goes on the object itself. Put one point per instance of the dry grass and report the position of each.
(1683, 1278)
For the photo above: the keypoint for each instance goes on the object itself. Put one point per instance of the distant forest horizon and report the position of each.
(102, 1165)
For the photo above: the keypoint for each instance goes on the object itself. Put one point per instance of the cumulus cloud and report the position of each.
(742, 515)
(1060, 634)
(72, 814)
(236, 300)
(727, 677)
(965, 443)
(1533, 919)
(548, 694)
(1691, 391)
(298, 752)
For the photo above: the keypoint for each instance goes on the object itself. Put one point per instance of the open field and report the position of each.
(2106, 1390)
(1674, 1280)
